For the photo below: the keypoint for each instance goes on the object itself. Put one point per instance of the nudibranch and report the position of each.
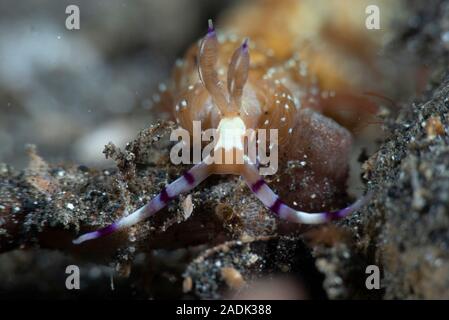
(244, 97)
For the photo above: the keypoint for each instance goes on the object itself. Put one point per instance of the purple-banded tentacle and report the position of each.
(264, 193)
(207, 60)
(185, 183)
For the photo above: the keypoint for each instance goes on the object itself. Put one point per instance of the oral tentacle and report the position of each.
(185, 183)
(272, 201)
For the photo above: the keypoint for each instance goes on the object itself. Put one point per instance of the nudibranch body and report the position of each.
(227, 85)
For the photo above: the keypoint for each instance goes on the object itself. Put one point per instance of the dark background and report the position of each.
(71, 92)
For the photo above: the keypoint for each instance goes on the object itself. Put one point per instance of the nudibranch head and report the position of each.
(217, 80)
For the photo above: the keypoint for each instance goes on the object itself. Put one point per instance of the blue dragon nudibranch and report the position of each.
(248, 96)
